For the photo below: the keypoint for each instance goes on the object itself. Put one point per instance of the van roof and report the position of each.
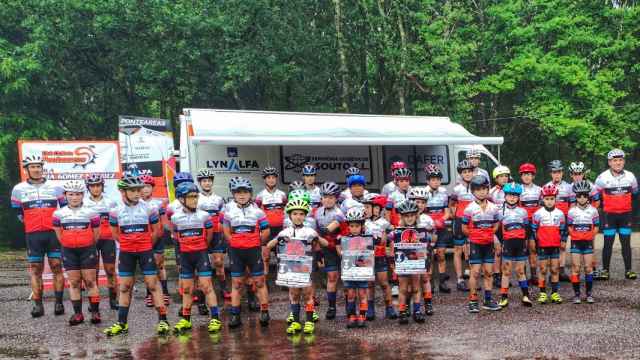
(215, 126)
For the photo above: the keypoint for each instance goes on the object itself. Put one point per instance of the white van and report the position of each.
(242, 143)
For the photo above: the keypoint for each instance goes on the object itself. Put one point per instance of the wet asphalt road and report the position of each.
(609, 329)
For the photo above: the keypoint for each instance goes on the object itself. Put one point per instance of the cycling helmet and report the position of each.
(432, 170)
(76, 186)
(368, 198)
(402, 173)
(418, 193)
(205, 173)
(527, 168)
(352, 171)
(31, 160)
(130, 182)
(296, 185)
(501, 170)
(581, 187)
(309, 170)
(512, 188)
(549, 190)
(237, 183)
(407, 207)
(398, 165)
(184, 189)
(355, 180)
(555, 165)
(472, 153)
(182, 177)
(355, 214)
(329, 188)
(94, 179)
(615, 153)
(299, 194)
(148, 180)
(297, 204)
(576, 167)
(268, 171)
(478, 182)
(464, 165)
(379, 200)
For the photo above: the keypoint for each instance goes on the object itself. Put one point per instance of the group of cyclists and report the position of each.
(396, 239)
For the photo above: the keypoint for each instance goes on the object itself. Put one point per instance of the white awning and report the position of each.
(232, 127)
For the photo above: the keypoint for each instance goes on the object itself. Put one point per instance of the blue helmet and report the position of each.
(356, 180)
(185, 188)
(182, 177)
(512, 188)
(238, 183)
(309, 169)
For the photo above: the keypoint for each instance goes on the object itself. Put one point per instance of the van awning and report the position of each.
(233, 127)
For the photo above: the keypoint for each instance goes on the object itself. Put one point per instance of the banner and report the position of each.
(68, 160)
(147, 148)
(411, 252)
(295, 263)
(330, 161)
(357, 258)
(417, 157)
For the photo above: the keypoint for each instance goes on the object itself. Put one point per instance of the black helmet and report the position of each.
(478, 182)
(268, 171)
(582, 187)
(555, 165)
(407, 207)
(464, 165)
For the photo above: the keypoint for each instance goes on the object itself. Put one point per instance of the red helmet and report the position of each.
(527, 168)
(549, 190)
(380, 200)
(148, 180)
(398, 165)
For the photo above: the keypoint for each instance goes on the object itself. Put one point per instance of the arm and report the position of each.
(271, 244)
(58, 232)
(339, 249)
(115, 232)
(322, 241)
(95, 225)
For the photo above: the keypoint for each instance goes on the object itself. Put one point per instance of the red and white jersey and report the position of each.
(212, 204)
(36, 204)
(564, 198)
(346, 194)
(190, 229)
(437, 203)
(496, 195)
(616, 191)
(463, 197)
(134, 225)
(530, 198)
(323, 217)
(548, 227)
(102, 206)
(272, 203)
(245, 223)
(582, 222)
(76, 226)
(480, 222)
(514, 221)
(296, 241)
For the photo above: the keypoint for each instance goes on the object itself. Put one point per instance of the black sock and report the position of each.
(112, 293)
(525, 291)
(77, 306)
(607, 249)
(59, 295)
(250, 294)
(310, 316)
(123, 314)
(165, 287)
(625, 244)
(576, 288)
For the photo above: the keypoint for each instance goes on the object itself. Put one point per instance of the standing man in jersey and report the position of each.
(391, 186)
(35, 201)
(272, 201)
(309, 173)
(564, 200)
(617, 188)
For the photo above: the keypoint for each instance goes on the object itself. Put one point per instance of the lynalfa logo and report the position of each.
(233, 165)
(296, 162)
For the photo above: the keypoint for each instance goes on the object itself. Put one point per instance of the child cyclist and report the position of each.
(564, 201)
(356, 290)
(78, 228)
(298, 239)
(309, 173)
(530, 200)
(460, 199)
(438, 210)
(346, 193)
(245, 229)
(501, 175)
(420, 195)
(583, 222)
(379, 227)
(106, 246)
(391, 186)
(513, 223)
(480, 223)
(328, 218)
(272, 201)
(548, 225)
(193, 229)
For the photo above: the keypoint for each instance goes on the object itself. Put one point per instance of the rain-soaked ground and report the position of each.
(609, 329)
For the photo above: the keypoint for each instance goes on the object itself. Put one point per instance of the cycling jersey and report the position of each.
(616, 191)
(376, 228)
(437, 204)
(102, 207)
(394, 199)
(582, 222)
(36, 204)
(76, 226)
(246, 223)
(213, 205)
(463, 197)
(190, 229)
(134, 225)
(480, 222)
(297, 241)
(158, 204)
(272, 203)
(388, 188)
(426, 222)
(564, 197)
(346, 194)
(514, 221)
(325, 216)
(314, 194)
(548, 227)
(496, 195)
(530, 198)
(350, 203)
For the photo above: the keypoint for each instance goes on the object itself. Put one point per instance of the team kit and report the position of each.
(503, 229)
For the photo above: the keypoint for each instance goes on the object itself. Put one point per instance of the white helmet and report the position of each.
(615, 153)
(418, 193)
(76, 186)
(355, 214)
(32, 159)
(576, 167)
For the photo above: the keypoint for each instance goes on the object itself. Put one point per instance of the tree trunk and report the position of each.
(342, 58)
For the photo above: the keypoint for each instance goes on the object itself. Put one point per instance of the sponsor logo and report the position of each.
(233, 165)
(295, 162)
(79, 157)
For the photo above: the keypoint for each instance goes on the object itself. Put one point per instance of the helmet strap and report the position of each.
(33, 180)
